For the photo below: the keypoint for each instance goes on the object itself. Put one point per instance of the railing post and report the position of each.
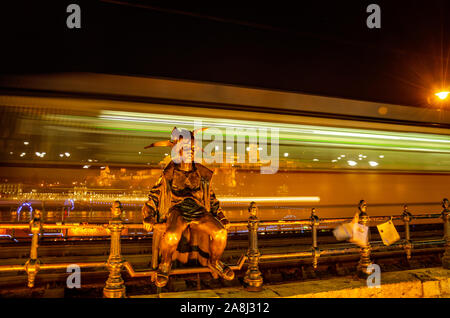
(446, 219)
(315, 251)
(33, 264)
(407, 217)
(253, 278)
(364, 261)
(115, 287)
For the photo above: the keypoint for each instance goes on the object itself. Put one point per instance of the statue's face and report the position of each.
(186, 150)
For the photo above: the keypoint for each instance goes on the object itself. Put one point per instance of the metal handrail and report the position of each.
(72, 225)
(253, 278)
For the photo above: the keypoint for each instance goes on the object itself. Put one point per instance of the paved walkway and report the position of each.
(421, 283)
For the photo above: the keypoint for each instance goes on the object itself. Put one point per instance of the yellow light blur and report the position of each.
(442, 95)
(270, 199)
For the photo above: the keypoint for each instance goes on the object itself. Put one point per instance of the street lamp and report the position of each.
(442, 95)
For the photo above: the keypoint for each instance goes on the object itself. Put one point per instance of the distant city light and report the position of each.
(61, 155)
(286, 154)
(67, 154)
(334, 160)
(216, 147)
(343, 156)
(381, 156)
(90, 160)
(22, 154)
(26, 143)
(315, 159)
(352, 163)
(373, 163)
(86, 167)
(442, 95)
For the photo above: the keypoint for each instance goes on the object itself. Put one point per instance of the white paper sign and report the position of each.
(360, 234)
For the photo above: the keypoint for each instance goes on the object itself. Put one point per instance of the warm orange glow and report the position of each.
(442, 95)
(270, 199)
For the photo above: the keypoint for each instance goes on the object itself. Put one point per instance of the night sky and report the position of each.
(317, 47)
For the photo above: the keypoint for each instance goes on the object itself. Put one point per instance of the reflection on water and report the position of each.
(234, 214)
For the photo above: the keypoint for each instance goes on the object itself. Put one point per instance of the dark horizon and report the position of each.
(322, 49)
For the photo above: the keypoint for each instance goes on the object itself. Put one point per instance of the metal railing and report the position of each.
(253, 280)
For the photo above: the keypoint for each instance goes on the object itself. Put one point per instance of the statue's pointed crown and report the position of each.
(176, 135)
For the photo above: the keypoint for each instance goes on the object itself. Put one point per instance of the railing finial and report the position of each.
(446, 218)
(445, 204)
(315, 250)
(115, 287)
(253, 277)
(362, 206)
(364, 261)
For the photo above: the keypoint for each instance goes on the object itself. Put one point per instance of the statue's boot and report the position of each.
(162, 276)
(224, 271)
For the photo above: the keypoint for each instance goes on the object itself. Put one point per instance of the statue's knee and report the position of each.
(220, 235)
(171, 238)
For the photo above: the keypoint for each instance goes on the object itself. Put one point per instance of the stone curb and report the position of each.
(421, 283)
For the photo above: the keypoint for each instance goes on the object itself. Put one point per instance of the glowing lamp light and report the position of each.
(352, 163)
(71, 203)
(19, 209)
(442, 95)
(373, 163)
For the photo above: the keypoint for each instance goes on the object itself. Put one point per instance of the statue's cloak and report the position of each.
(194, 245)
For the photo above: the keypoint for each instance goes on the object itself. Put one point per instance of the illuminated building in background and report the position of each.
(11, 188)
(80, 191)
(106, 178)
